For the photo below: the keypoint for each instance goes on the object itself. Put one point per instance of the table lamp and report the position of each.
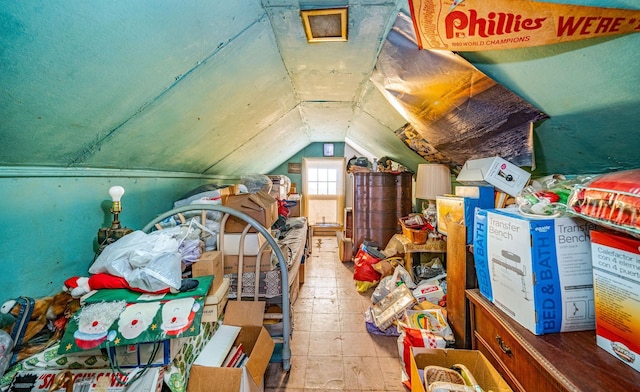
(109, 235)
(432, 179)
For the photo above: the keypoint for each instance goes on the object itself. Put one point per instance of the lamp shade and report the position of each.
(432, 180)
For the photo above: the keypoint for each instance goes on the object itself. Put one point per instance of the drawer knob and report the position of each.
(503, 346)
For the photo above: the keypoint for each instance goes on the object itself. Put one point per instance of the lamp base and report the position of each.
(430, 214)
(107, 236)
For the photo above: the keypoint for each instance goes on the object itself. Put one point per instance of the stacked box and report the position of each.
(616, 284)
(206, 375)
(259, 206)
(460, 208)
(496, 171)
(209, 263)
(537, 270)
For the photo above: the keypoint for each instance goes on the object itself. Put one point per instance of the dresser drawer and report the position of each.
(511, 353)
(481, 345)
(508, 350)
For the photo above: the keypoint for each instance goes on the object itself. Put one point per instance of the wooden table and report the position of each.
(409, 248)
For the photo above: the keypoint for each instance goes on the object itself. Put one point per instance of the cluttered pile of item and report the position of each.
(143, 312)
(504, 214)
(120, 326)
(415, 313)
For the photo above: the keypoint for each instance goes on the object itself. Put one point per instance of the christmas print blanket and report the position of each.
(116, 317)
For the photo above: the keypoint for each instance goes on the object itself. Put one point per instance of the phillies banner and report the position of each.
(474, 25)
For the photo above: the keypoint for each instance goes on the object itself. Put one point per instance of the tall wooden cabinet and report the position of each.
(379, 200)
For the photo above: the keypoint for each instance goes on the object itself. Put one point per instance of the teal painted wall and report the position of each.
(313, 150)
(50, 219)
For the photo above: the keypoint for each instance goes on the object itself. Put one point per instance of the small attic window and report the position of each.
(325, 25)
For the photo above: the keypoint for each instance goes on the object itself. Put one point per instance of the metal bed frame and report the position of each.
(282, 264)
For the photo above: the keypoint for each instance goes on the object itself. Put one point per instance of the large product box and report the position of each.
(259, 206)
(460, 208)
(479, 366)
(537, 270)
(209, 263)
(206, 376)
(496, 171)
(88, 380)
(616, 286)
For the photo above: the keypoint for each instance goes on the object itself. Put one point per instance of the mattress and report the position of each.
(270, 282)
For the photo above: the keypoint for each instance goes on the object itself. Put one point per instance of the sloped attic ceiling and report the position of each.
(233, 87)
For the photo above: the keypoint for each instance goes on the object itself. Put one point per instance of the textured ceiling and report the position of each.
(233, 87)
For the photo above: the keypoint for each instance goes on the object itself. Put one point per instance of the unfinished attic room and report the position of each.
(317, 195)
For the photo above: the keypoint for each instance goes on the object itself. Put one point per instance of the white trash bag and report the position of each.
(150, 262)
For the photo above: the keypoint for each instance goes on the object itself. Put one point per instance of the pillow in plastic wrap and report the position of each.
(610, 200)
(256, 183)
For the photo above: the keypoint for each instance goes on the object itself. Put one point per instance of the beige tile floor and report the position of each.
(330, 346)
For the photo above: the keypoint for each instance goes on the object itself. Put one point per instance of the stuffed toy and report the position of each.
(47, 322)
(78, 286)
(38, 318)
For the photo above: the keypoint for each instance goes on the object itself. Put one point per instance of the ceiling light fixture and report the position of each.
(325, 25)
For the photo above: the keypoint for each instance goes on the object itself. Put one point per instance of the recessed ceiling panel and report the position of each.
(326, 24)
(330, 71)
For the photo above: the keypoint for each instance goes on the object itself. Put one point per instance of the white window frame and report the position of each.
(340, 165)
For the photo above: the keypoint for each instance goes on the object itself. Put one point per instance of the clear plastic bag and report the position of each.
(151, 262)
(6, 345)
(256, 183)
(388, 283)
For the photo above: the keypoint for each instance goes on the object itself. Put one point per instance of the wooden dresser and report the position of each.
(379, 200)
(567, 361)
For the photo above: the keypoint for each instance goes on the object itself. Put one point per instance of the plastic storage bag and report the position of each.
(150, 262)
(388, 283)
(6, 345)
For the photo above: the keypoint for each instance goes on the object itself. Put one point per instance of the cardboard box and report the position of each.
(260, 206)
(485, 374)
(214, 304)
(252, 244)
(486, 193)
(294, 208)
(248, 262)
(461, 210)
(496, 171)
(480, 196)
(345, 246)
(257, 344)
(209, 263)
(87, 380)
(616, 286)
(537, 270)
